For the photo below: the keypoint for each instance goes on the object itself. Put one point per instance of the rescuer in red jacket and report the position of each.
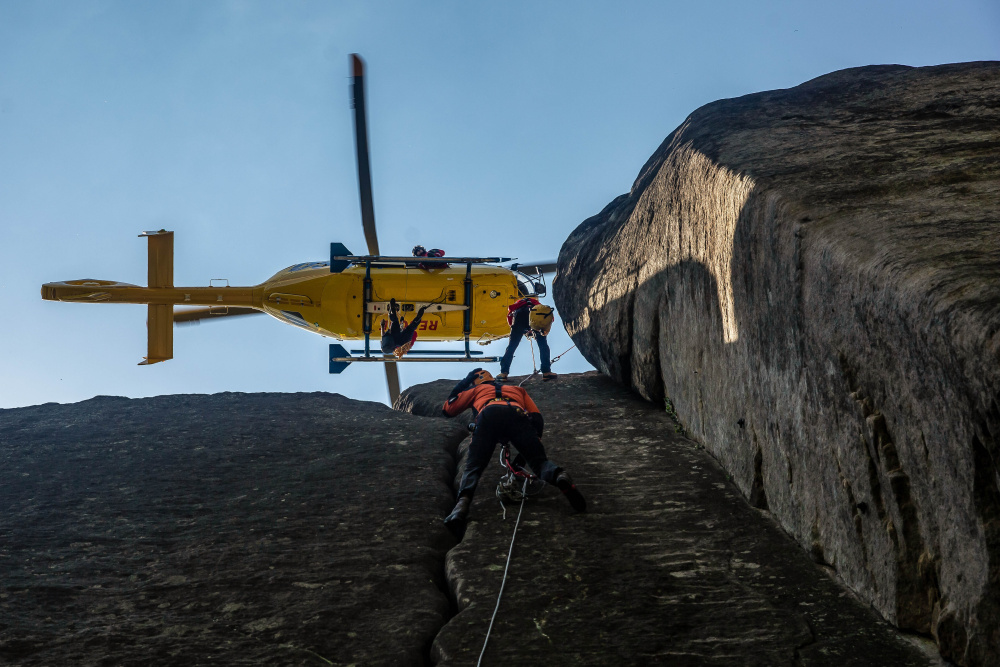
(504, 414)
(519, 319)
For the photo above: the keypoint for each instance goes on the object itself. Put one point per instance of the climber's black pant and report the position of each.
(502, 423)
(397, 336)
(517, 331)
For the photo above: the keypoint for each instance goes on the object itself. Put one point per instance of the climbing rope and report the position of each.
(512, 474)
(536, 370)
(503, 582)
(556, 358)
(488, 338)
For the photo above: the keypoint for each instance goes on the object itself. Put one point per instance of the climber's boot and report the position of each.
(568, 488)
(456, 520)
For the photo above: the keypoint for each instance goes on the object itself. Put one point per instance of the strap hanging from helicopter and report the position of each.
(467, 315)
(366, 296)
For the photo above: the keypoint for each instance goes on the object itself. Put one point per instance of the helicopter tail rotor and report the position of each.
(160, 317)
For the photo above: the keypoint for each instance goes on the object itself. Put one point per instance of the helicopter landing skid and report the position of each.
(340, 358)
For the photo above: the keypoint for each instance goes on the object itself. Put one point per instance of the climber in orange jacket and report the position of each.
(503, 414)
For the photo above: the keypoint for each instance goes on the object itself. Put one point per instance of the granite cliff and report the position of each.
(810, 280)
(305, 529)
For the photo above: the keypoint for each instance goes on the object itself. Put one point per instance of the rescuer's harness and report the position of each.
(500, 398)
(517, 482)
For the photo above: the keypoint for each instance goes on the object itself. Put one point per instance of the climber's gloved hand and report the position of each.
(463, 384)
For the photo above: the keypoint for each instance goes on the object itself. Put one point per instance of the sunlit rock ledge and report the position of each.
(810, 278)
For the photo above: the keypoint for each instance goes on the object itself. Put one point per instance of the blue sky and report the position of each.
(496, 128)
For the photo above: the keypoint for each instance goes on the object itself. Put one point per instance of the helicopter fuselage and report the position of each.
(310, 297)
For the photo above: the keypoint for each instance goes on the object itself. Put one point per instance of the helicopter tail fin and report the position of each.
(338, 250)
(159, 334)
(160, 317)
(340, 359)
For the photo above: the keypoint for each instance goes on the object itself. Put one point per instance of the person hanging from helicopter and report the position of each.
(420, 251)
(398, 339)
(528, 317)
(504, 413)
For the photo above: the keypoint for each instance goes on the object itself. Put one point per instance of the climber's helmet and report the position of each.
(481, 377)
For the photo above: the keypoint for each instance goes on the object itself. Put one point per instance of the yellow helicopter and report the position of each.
(345, 298)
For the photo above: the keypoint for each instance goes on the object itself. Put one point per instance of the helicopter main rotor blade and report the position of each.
(392, 381)
(196, 315)
(361, 144)
(540, 267)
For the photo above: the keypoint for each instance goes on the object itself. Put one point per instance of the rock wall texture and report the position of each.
(810, 278)
(305, 529)
(233, 529)
(668, 566)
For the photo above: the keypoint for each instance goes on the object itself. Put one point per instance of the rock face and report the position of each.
(305, 529)
(669, 565)
(811, 279)
(233, 529)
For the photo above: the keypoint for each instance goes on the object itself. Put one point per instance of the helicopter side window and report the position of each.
(295, 318)
(308, 265)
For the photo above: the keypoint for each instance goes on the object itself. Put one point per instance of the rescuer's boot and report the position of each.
(549, 376)
(502, 377)
(456, 520)
(568, 488)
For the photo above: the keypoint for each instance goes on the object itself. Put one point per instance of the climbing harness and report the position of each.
(499, 398)
(507, 487)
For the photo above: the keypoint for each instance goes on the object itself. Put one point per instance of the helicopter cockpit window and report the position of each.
(530, 285)
(295, 319)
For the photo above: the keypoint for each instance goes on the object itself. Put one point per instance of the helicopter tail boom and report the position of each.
(160, 296)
